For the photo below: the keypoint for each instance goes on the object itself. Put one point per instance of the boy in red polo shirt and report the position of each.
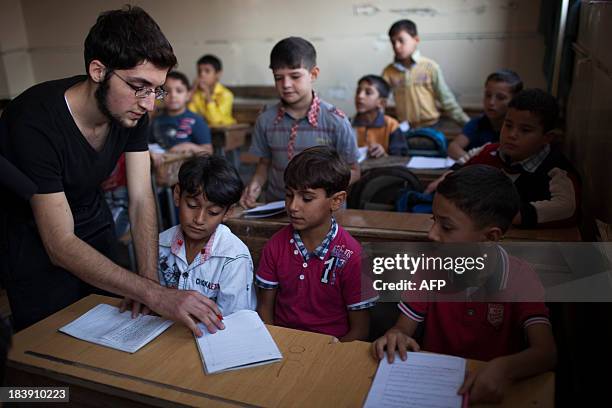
(477, 204)
(310, 271)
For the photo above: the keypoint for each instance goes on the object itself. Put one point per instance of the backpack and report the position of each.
(426, 142)
(379, 188)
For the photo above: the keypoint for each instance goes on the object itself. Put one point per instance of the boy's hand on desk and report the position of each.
(487, 384)
(250, 195)
(188, 307)
(376, 150)
(394, 340)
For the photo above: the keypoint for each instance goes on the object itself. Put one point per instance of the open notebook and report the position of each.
(245, 342)
(423, 380)
(104, 325)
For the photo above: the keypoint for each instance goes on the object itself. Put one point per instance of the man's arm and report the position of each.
(143, 217)
(56, 228)
(359, 323)
(265, 304)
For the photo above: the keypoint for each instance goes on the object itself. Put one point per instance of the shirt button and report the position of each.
(301, 277)
(470, 312)
(291, 241)
(304, 264)
(295, 252)
(185, 274)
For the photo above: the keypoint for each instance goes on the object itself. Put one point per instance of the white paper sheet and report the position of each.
(420, 162)
(423, 380)
(104, 325)
(245, 342)
(266, 210)
(363, 153)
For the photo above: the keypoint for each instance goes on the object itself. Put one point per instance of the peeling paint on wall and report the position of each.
(365, 10)
(421, 12)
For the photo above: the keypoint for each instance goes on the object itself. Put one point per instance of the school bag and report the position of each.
(426, 142)
(379, 188)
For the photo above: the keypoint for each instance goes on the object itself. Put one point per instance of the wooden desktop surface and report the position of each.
(377, 226)
(313, 372)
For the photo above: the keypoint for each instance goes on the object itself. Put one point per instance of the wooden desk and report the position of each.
(227, 138)
(376, 226)
(313, 373)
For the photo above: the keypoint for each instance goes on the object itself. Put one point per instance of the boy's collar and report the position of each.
(529, 164)
(313, 111)
(359, 120)
(177, 246)
(415, 57)
(321, 250)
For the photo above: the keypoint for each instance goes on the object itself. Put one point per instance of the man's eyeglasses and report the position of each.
(143, 91)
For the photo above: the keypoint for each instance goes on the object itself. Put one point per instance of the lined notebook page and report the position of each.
(244, 342)
(104, 325)
(423, 380)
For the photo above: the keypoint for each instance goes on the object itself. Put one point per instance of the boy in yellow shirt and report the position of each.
(417, 82)
(211, 99)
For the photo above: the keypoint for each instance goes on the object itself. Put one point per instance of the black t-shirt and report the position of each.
(39, 136)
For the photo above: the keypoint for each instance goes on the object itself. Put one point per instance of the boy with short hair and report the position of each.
(379, 132)
(417, 82)
(211, 99)
(500, 88)
(300, 120)
(477, 204)
(177, 128)
(310, 271)
(547, 183)
(202, 254)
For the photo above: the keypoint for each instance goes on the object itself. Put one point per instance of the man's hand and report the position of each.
(393, 340)
(250, 195)
(136, 307)
(188, 307)
(488, 384)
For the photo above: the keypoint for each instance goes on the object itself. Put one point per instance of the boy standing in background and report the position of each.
(299, 121)
(417, 82)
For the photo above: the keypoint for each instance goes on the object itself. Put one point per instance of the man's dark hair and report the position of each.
(212, 176)
(318, 167)
(379, 83)
(121, 39)
(509, 77)
(210, 60)
(403, 25)
(293, 53)
(484, 193)
(180, 77)
(540, 103)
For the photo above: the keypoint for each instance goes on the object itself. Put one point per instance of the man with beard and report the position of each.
(66, 136)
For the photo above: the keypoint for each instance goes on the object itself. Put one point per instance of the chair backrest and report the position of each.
(378, 188)
(426, 142)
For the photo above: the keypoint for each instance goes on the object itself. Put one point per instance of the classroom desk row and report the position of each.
(377, 226)
(313, 373)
